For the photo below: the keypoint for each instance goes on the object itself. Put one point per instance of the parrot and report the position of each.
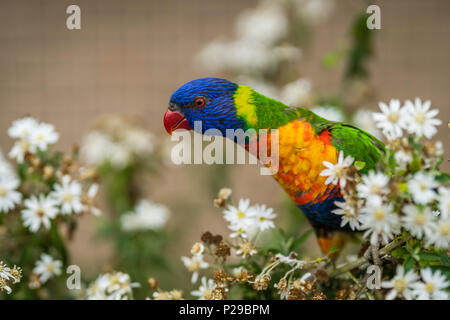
(306, 140)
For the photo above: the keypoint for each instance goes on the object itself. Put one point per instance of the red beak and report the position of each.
(174, 120)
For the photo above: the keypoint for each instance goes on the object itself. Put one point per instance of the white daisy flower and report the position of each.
(403, 158)
(6, 170)
(380, 222)
(262, 216)
(205, 290)
(147, 215)
(194, 265)
(402, 284)
(421, 187)
(47, 267)
(440, 236)
(420, 120)
(337, 173)
(38, 211)
(43, 135)
(329, 113)
(20, 148)
(296, 93)
(9, 197)
(391, 119)
(239, 271)
(68, 195)
(419, 223)
(349, 215)
(120, 284)
(433, 286)
(444, 202)
(240, 214)
(373, 186)
(22, 128)
(239, 229)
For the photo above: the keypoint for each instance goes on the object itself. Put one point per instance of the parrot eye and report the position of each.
(199, 102)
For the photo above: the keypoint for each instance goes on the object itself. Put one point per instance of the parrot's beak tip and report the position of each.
(174, 120)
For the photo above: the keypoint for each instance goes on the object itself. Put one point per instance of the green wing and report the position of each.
(357, 143)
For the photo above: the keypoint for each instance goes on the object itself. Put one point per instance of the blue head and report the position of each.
(209, 100)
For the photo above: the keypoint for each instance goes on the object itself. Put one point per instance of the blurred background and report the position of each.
(129, 56)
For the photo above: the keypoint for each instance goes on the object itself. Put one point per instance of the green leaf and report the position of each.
(333, 250)
(359, 165)
(444, 259)
(442, 178)
(429, 256)
(409, 263)
(300, 240)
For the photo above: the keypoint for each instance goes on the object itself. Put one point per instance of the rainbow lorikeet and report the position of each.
(305, 141)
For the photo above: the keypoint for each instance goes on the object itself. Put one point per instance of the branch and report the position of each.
(383, 252)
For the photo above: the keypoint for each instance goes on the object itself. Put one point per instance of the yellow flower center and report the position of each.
(420, 219)
(194, 265)
(3, 192)
(40, 212)
(400, 285)
(375, 189)
(445, 229)
(262, 219)
(67, 197)
(24, 145)
(420, 117)
(241, 214)
(50, 267)
(379, 215)
(423, 186)
(393, 117)
(429, 287)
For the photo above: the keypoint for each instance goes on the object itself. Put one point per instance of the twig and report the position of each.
(383, 252)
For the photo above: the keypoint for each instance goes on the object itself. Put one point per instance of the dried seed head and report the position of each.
(223, 250)
(319, 296)
(152, 283)
(261, 284)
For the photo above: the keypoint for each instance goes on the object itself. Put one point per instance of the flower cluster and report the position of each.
(405, 190)
(45, 268)
(147, 215)
(116, 141)
(9, 276)
(111, 286)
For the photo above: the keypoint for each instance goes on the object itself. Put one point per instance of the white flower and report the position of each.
(440, 236)
(262, 217)
(329, 113)
(391, 119)
(9, 197)
(379, 221)
(238, 272)
(147, 215)
(68, 195)
(138, 141)
(6, 170)
(47, 267)
(349, 215)
(418, 222)
(111, 286)
(402, 284)
(95, 148)
(22, 128)
(43, 135)
(421, 187)
(205, 290)
(337, 173)
(364, 119)
(296, 93)
(403, 158)
(38, 211)
(444, 202)
(433, 286)
(265, 25)
(91, 194)
(197, 249)
(194, 265)
(239, 229)
(420, 120)
(373, 186)
(241, 214)
(314, 11)
(20, 148)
